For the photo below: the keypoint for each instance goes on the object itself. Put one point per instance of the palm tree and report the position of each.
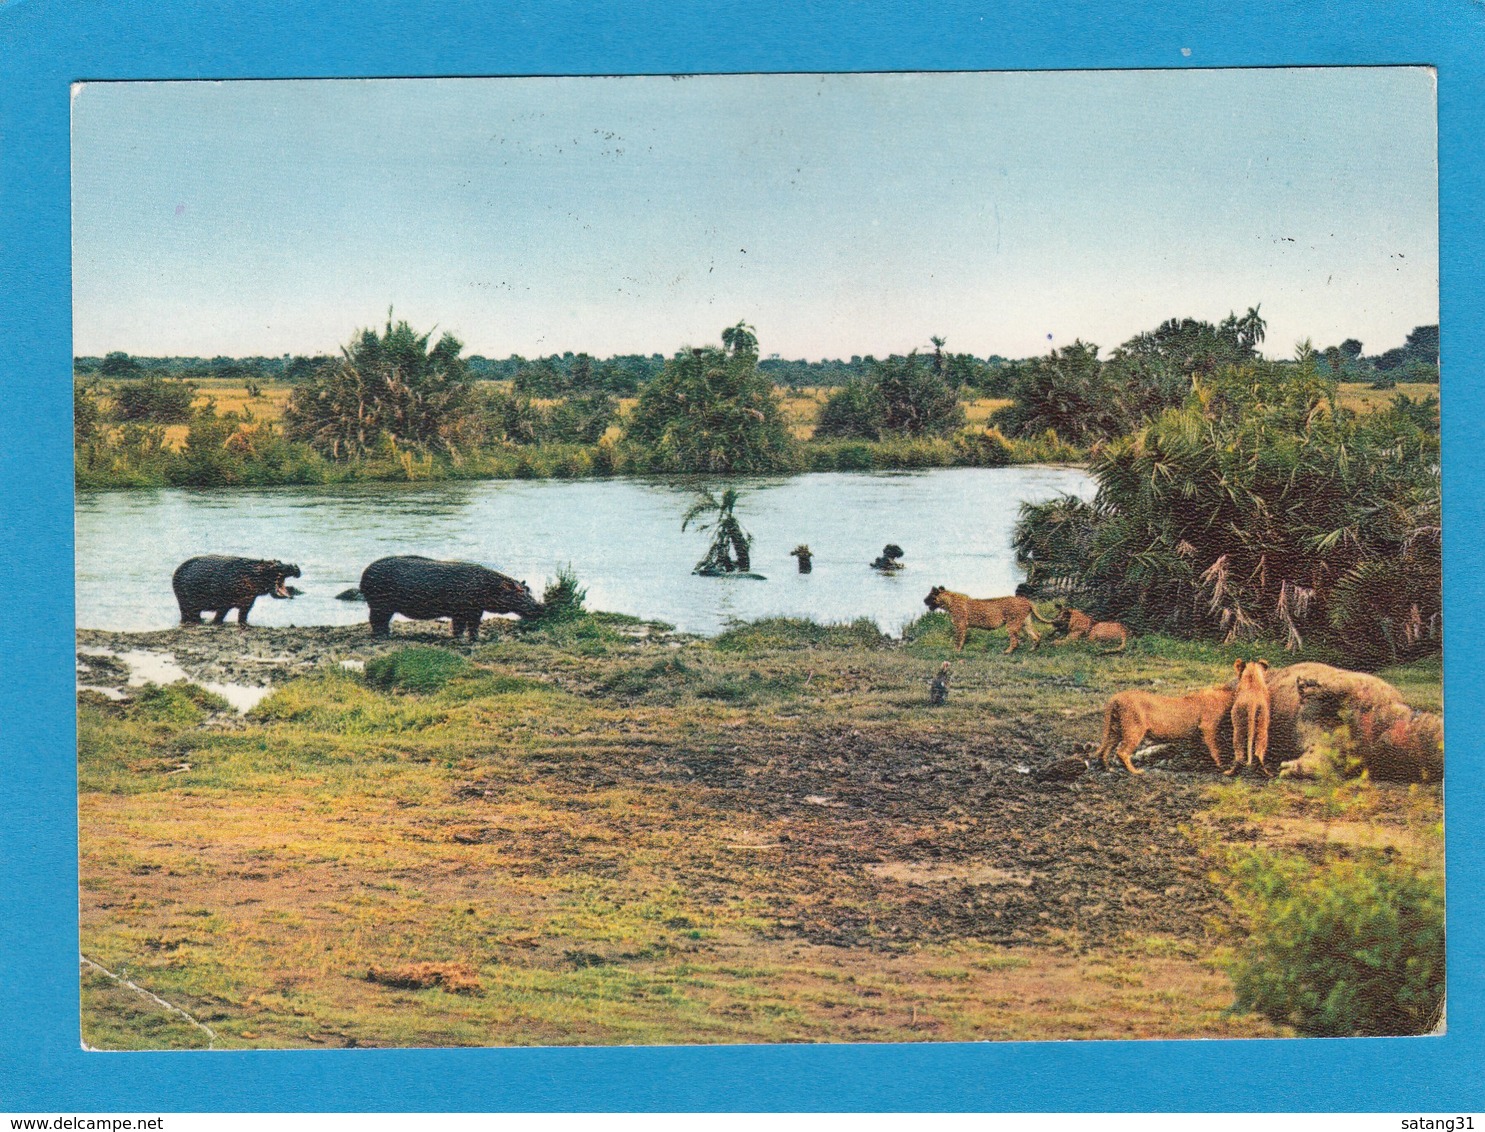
(740, 339)
(1251, 329)
(728, 553)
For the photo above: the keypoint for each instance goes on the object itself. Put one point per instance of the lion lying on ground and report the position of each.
(1011, 613)
(1131, 717)
(1393, 742)
(1077, 625)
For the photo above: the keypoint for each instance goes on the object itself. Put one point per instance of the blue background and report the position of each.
(44, 46)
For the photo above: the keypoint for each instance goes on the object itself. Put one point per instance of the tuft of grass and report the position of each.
(563, 598)
(799, 633)
(179, 703)
(417, 668)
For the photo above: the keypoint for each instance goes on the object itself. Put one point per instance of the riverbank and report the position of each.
(253, 455)
(605, 832)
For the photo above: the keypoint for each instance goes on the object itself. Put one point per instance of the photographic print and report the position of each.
(789, 558)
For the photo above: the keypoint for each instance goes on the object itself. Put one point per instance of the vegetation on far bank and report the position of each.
(396, 406)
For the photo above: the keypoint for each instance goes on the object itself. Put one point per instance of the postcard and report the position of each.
(758, 558)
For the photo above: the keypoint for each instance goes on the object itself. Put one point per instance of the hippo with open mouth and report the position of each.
(426, 589)
(222, 582)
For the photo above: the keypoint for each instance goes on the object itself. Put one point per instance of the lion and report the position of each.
(1130, 717)
(1392, 740)
(1295, 722)
(1074, 624)
(1250, 715)
(1012, 613)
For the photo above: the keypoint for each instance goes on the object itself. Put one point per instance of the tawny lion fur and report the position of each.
(1250, 715)
(1294, 724)
(1392, 741)
(1131, 717)
(1076, 625)
(1011, 613)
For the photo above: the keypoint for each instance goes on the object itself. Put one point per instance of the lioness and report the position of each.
(1075, 625)
(1011, 613)
(1250, 714)
(1129, 717)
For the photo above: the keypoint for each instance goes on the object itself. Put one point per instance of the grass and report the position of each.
(1361, 397)
(626, 837)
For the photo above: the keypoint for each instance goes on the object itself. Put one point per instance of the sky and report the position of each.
(1007, 212)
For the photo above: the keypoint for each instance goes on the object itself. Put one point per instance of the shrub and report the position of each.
(1355, 947)
(563, 598)
(987, 449)
(1259, 509)
(154, 399)
(87, 414)
(711, 410)
(417, 668)
(387, 387)
(855, 411)
(581, 419)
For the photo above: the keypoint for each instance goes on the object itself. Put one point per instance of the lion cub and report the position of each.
(1250, 715)
(1130, 717)
(1074, 624)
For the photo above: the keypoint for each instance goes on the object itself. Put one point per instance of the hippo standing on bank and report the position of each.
(425, 589)
(222, 582)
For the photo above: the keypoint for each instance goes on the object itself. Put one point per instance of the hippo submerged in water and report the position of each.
(425, 589)
(222, 582)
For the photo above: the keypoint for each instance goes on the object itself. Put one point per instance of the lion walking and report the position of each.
(1011, 613)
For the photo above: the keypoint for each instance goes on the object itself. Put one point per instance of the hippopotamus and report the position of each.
(425, 589)
(222, 582)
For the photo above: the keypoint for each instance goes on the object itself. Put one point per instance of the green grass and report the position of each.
(415, 669)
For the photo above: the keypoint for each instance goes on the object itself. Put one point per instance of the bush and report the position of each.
(712, 411)
(418, 668)
(1258, 510)
(154, 400)
(581, 419)
(387, 388)
(987, 449)
(1355, 947)
(87, 414)
(855, 411)
(563, 598)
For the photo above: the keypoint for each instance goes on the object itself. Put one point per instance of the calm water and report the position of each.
(623, 537)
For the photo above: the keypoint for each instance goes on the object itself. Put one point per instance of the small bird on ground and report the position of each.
(938, 687)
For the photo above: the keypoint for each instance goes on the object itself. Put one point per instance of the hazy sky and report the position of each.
(840, 214)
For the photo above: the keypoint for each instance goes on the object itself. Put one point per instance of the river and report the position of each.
(622, 536)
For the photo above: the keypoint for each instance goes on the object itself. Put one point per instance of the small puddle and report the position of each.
(149, 667)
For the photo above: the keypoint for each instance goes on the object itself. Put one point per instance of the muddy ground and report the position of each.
(952, 833)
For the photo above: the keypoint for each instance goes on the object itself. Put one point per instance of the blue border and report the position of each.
(47, 44)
